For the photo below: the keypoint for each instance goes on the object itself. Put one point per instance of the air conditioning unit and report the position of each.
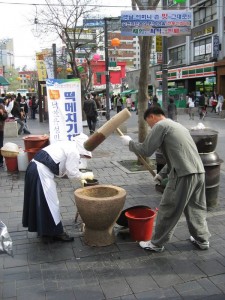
(207, 57)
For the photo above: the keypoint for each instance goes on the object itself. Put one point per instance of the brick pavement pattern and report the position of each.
(123, 270)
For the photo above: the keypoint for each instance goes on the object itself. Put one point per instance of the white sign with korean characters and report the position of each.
(64, 106)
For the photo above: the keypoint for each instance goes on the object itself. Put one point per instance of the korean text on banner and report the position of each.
(64, 106)
(160, 22)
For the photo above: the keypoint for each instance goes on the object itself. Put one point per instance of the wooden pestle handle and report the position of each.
(144, 162)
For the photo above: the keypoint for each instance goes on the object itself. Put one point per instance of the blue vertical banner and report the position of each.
(64, 106)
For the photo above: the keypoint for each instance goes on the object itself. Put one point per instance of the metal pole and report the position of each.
(54, 60)
(107, 78)
(164, 69)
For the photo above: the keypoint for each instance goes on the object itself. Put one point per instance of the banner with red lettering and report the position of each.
(64, 106)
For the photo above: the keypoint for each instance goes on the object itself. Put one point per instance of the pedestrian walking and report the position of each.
(220, 102)
(3, 117)
(90, 109)
(34, 107)
(185, 190)
(191, 107)
(18, 115)
(202, 107)
(214, 104)
(119, 103)
(128, 102)
(172, 110)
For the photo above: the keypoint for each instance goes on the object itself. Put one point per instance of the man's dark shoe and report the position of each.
(26, 131)
(64, 237)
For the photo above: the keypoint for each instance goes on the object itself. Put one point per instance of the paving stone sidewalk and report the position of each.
(121, 271)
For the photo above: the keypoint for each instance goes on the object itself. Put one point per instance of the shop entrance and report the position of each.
(206, 85)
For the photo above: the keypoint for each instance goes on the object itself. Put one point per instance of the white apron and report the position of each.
(49, 188)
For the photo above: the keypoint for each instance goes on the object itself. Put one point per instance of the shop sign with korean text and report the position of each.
(160, 22)
(64, 106)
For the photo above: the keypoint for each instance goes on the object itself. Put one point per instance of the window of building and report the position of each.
(98, 78)
(202, 48)
(205, 12)
(177, 55)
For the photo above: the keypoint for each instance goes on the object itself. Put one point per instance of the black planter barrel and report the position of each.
(211, 162)
(206, 142)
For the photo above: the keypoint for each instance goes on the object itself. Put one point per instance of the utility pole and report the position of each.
(164, 68)
(54, 60)
(107, 78)
(107, 75)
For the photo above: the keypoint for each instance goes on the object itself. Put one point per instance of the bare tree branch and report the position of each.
(64, 21)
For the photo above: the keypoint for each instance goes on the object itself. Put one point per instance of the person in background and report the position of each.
(119, 103)
(97, 101)
(220, 102)
(128, 102)
(191, 107)
(3, 117)
(23, 104)
(18, 98)
(90, 109)
(34, 107)
(185, 189)
(41, 211)
(16, 112)
(155, 101)
(112, 101)
(2, 98)
(172, 110)
(8, 103)
(214, 103)
(30, 107)
(202, 108)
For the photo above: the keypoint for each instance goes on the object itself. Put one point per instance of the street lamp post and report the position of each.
(107, 78)
(107, 75)
(164, 68)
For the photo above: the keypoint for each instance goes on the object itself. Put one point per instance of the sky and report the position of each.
(15, 23)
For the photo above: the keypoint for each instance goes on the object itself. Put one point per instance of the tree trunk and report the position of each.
(143, 86)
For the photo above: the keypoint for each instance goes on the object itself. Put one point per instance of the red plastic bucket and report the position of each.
(31, 153)
(35, 141)
(140, 222)
(11, 164)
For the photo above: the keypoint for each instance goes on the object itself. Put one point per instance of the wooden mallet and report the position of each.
(142, 160)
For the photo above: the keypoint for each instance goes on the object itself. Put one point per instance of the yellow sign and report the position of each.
(54, 94)
(206, 31)
(41, 70)
(158, 43)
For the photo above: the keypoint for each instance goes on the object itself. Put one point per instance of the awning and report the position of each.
(127, 92)
(3, 81)
(192, 71)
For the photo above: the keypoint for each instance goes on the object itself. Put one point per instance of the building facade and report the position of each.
(6, 53)
(197, 61)
(28, 80)
(117, 73)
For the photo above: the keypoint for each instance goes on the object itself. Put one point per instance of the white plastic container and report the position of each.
(22, 160)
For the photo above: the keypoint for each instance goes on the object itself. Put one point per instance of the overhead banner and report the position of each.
(93, 23)
(160, 22)
(64, 106)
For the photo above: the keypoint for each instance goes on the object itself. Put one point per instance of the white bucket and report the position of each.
(22, 160)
